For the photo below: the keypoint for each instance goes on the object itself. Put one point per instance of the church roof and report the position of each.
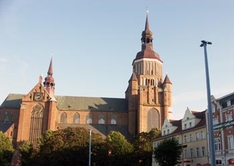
(102, 129)
(91, 103)
(5, 126)
(12, 101)
(75, 103)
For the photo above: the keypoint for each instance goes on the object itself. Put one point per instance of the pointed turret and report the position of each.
(49, 80)
(133, 77)
(167, 80)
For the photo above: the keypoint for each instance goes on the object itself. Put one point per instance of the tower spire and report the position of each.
(147, 39)
(147, 22)
(49, 80)
(50, 70)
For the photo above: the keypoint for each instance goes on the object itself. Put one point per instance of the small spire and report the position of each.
(147, 22)
(50, 70)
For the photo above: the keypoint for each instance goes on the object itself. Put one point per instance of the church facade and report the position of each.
(147, 102)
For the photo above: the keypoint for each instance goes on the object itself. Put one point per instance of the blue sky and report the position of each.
(94, 42)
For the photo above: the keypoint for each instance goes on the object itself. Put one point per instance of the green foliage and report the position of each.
(70, 146)
(6, 150)
(26, 151)
(168, 152)
(118, 143)
(66, 147)
(143, 147)
(119, 149)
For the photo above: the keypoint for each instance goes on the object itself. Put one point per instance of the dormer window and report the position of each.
(168, 131)
(187, 118)
(185, 126)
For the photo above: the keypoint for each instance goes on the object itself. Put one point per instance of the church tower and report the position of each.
(49, 80)
(49, 85)
(149, 94)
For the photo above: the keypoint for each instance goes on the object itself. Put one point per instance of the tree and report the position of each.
(168, 152)
(143, 147)
(68, 146)
(119, 149)
(6, 150)
(26, 151)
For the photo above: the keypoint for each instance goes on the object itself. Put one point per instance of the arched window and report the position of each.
(89, 119)
(76, 118)
(101, 119)
(63, 118)
(153, 119)
(114, 119)
(36, 130)
(152, 82)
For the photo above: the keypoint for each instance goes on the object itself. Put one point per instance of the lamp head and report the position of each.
(205, 43)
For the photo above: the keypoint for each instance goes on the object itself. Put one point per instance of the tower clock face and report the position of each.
(38, 96)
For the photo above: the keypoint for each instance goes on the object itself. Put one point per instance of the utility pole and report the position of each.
(90, 142)
(210, 118)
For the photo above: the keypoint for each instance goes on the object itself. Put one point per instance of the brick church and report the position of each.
(147, 102)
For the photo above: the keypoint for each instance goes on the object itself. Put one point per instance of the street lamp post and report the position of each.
(210, 118)
(90, 141)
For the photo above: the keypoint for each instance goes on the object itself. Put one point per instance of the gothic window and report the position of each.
(76, 118)
(89, 119)
(63, 118)
(36, 123)
(101, 119)
(114, 119)
(153, 119)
